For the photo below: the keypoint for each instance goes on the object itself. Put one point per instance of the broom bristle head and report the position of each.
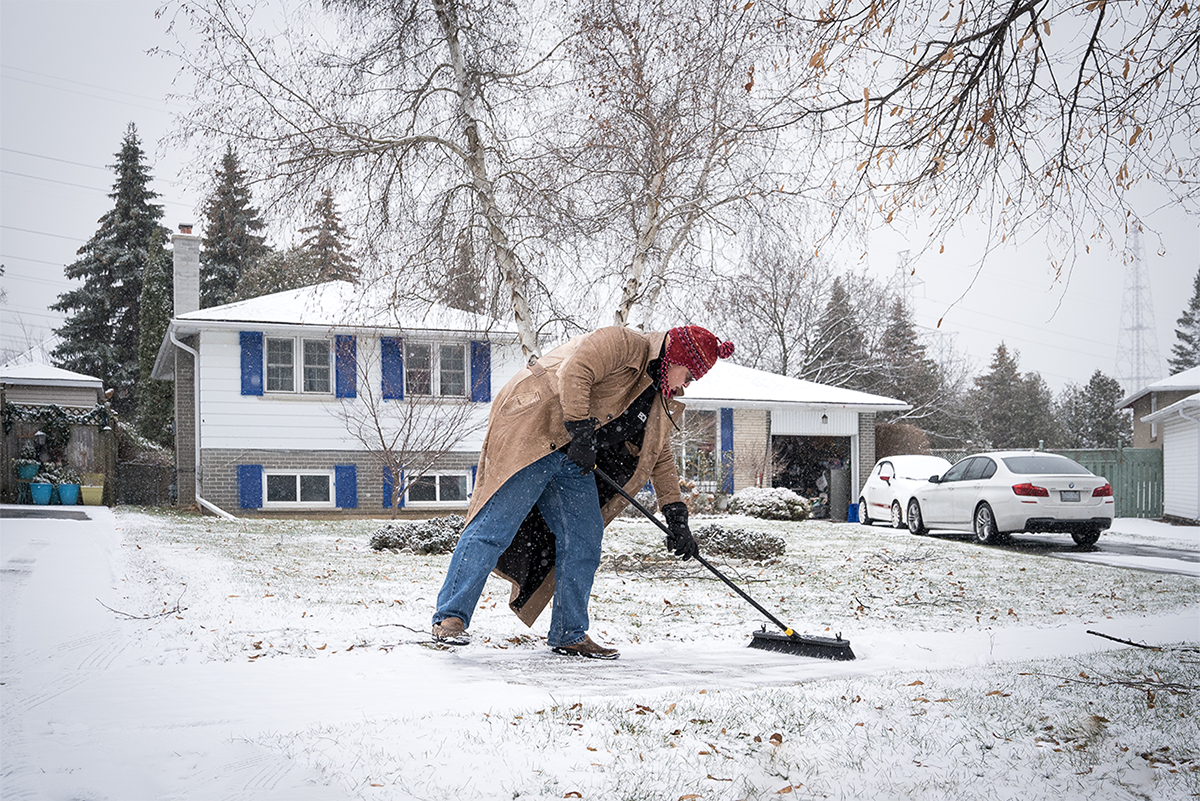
(803, 645)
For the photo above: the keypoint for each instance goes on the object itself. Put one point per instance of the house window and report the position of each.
(315, 368)
(435, 370)
(308, 489)
(438, 488)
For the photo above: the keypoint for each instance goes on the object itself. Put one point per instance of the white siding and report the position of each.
(232, 420)
(1181, 467)
(790, 422)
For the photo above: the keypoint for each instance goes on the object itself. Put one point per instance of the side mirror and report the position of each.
(935, 479)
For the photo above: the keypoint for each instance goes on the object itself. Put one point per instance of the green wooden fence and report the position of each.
(1136, 475)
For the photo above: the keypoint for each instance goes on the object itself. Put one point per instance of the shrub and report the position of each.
(776, 503)
(435, 535)
(738, 543)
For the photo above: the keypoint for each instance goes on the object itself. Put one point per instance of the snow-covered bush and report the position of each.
(737, 543)
(435, 535)
(775, 503)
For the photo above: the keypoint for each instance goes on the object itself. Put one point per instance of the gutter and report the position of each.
(196, 413)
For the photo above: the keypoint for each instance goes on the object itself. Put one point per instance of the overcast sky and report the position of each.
(75, 74)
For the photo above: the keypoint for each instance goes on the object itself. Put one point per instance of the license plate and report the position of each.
(1070, 496)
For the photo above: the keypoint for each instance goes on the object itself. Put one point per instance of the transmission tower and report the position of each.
(939, 345)
(1137, 344)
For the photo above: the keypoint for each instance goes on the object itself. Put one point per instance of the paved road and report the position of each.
(1112, 551)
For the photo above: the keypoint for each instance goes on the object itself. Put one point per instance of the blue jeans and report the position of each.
(568, 501)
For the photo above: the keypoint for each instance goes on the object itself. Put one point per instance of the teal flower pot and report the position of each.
(27, 471)
(40, 492)
(68, 494)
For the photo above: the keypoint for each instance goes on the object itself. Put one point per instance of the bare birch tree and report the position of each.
(409, 101)
(678, 141)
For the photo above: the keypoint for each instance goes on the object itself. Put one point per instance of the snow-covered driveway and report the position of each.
(146, 658)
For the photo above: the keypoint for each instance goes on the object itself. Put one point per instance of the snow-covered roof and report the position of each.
(1188, 407)
(340, 304)
(333, 305)
(45, 375)
(1184, 380)
(728, 384)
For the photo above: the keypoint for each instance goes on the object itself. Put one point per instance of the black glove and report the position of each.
(582, 449)
(680, 540)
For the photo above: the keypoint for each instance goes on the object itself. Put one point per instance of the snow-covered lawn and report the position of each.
(159, 655)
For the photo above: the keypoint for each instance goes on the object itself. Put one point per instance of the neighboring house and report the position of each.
(30, 385)
(1159, 395)
(283, 378)
(1178, 426)
(263, 388)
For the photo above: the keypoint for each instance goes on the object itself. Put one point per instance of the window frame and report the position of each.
(437, 475)
(299, 366)
(435, 351)
(299, 503)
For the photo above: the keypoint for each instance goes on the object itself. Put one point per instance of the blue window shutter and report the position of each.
(474, 472)
(346, 362)
(250, 485)
(481, 372)
(345, 479)
(727, 450)
(391, 357)
(252, 362)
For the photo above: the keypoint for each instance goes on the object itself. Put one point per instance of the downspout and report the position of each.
(196, 413)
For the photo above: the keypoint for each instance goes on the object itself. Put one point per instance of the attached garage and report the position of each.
(769, 430)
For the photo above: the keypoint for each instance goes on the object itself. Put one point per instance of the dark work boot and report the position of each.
(451, 631)
(587, 648)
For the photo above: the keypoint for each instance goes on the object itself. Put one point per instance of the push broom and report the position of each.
(789, 642)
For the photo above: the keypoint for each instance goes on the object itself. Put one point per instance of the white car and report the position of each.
(892, 482)
(995, 494)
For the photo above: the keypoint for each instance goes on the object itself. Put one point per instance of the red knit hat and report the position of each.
(695, 348)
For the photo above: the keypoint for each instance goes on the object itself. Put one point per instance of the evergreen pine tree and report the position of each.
(1013, 411)
(904, 370)
(1185, 354)
(838, 355)
(232, 243)
(278, 271)
(100, 334)
(1088, 415)
(326, 242)
(156, 399)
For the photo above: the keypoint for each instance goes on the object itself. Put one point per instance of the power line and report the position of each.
(26, 258)
(40, 233)
(52, 181)
(52, 158)
(78, 83)
(88, 94)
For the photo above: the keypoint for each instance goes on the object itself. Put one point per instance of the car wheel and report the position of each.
(986, 532)
(1085, 538)
(897, 515)
(915, 524)
(864, 516)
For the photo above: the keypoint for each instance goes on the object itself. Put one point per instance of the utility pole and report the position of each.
(1138, 363)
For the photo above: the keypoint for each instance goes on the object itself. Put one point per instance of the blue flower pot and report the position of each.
(40, 492)
(27, 471)
(68, 494)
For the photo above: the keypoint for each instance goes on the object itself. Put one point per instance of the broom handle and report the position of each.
(650, 516)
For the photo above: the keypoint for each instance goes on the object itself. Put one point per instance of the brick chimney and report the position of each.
(186, 247)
